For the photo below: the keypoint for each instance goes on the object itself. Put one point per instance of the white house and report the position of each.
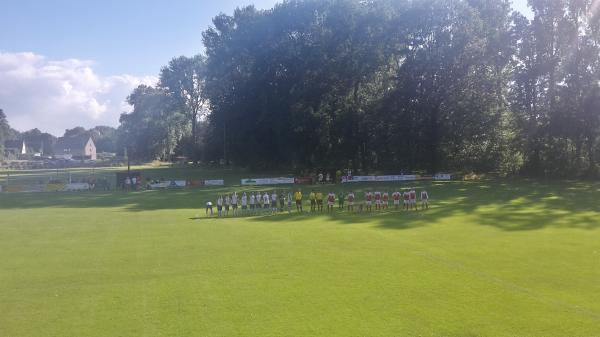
(75, 147)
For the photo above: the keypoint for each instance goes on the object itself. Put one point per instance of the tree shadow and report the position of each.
(132, 201)
(521, 205)
(389, 219)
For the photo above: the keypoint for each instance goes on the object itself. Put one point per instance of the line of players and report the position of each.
(408, 198)
(256, 203)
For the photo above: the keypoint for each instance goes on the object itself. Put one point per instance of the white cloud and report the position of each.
(54, 95)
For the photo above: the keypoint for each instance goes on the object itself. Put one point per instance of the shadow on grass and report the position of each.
(388, 219)
(508, 205)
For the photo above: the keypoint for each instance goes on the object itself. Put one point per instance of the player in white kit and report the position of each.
(424, 200)
(266, 201)
(244, 203)
(252, 203)
(220, 206)
(234, 203)
(289, 202)
(227, 204)
(274, 202)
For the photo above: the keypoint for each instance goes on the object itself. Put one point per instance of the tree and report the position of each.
(105, 138)
(447, 100)
(4, 129)
(286, 78)
(368, 84)
(183, 80)
(38, 141)
(76, 132)
(555, 78)
(154, 128)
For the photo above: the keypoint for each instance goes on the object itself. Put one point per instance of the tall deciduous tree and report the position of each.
(154, 127)
(555, 79)
(4, 129)
(183, 80)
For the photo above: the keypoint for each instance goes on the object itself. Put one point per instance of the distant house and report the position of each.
(15, 149)
(75, 148)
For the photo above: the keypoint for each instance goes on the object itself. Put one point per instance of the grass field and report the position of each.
(490, 258)
(22, 177)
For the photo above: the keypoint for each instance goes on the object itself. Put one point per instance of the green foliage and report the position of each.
(37, 141)
(386, 85)
(154, 128)
(557, 73)
(395, 85)
(77, 131)
(105, 138)
(182, 80)
(4, 127)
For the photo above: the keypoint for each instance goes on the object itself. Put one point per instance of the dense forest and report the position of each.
(390, 85)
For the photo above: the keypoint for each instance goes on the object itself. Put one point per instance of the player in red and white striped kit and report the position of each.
(330, 202)
(377, 200)
(413, 199)
(396, 196)
(369, 198)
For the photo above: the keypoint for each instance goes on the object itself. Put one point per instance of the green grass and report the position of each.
(515, 258)
(42, 176)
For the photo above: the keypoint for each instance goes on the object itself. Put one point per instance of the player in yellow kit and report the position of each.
(319, 197)
(298, 198)
(313, 200)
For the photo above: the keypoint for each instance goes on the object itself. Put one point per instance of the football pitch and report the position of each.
(489, 258)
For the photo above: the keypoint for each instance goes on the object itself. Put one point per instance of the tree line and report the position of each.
(105, 137)
(389, 85)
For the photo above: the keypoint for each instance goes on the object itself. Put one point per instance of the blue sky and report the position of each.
(128, 36)
(72, 62)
